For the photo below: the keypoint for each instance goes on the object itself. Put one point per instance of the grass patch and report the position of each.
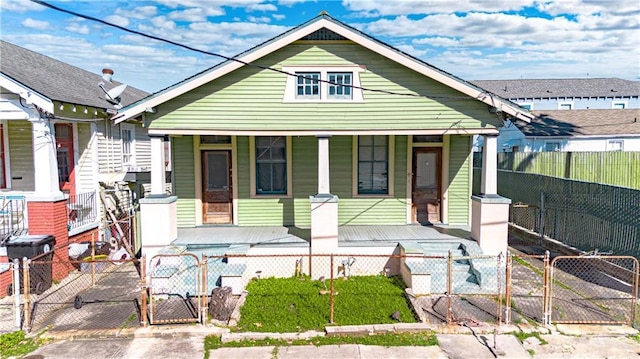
(522, 336)
(388, 340)
(16, 344)
(295, 304)
(635, 337)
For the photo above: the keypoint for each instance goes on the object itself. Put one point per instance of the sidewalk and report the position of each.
(563, 341)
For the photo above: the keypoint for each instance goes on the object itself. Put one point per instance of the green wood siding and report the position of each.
(459, 172)
(296, 210)
(250, 98)
(184, 180)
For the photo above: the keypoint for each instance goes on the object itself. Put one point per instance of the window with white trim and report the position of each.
(373, 164)
(323, 84)
(615, 145)
(307, 86)
(552, 146)
(271, 165)
(619, 105)
(340, 85)
(128, 138)
(565, 105)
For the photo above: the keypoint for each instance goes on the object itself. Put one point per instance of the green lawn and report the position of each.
(295, 304)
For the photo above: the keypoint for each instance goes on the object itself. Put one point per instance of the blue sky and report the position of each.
(472, 39)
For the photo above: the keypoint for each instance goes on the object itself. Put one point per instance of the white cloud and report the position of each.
(195, 14)
(437, 41)
(20, 6)
(140, 12)
(117, 20)
(78, 28)
(161, 22)
(411, 50)
(279, 17)
(374, 8)
(587, 6)
(293, 2)
(35, 24)
(261, 19)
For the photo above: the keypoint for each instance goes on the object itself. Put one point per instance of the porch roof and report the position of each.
(347, 235)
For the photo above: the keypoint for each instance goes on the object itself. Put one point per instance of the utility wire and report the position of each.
(91, 18)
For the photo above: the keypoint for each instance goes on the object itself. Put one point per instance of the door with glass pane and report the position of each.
(66, 162)
(216, 187)
(426, 190)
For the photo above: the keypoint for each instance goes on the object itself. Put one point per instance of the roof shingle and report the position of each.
(552, 88)
(566, 123)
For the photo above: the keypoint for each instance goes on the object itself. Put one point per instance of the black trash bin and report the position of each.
(39, 247)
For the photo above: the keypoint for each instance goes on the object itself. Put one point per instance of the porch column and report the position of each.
(158, 211)
(489, 211)
(158, 172)
(489, 184)
(324, 213)
(45, 159)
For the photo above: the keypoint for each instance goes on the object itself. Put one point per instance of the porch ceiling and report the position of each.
(347, 235)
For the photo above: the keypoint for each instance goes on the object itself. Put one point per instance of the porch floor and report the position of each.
(347, 235)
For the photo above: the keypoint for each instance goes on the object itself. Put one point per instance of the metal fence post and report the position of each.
(546, 290)
(16, 292)
(541, 234)
(507, 289)
(499, 280)
(331, 293)
(27, 288)
(449, 315)
(143, 290)
(204, 290)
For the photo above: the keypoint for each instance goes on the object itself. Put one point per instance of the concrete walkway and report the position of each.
(562, 341)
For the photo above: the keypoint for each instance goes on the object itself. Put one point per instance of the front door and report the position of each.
(66, 163)
(426, 190)
(216, 187)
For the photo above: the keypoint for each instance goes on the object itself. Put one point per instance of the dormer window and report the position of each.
(323, 84)
(308, 86)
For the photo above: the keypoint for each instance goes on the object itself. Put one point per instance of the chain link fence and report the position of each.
(447, 289)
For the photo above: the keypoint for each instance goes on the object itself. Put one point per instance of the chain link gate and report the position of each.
(594, 289)
(175, 289)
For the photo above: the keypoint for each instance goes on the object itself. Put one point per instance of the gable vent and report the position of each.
(324, 35)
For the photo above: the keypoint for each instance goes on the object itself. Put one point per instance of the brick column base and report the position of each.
(50, 218)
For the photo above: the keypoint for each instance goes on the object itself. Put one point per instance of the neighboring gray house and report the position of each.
(567, 94)
(576, 131)
(55, 133)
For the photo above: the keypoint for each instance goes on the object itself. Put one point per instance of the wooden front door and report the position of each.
(216, 187)
(66, 162)
(426, 188)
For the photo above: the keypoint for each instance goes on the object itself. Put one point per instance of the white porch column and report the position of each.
(158, 211)
(323, 165)
(489, 183)
(324, 214)
(158, 173)
(489, 211)
(45, 158)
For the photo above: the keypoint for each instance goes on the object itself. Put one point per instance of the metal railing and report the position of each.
(82, 209)
(13, 216)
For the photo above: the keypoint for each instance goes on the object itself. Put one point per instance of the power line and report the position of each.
(153, 37)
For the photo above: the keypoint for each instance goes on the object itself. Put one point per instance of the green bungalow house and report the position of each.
(325, 134)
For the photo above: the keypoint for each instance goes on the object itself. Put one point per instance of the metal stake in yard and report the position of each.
(507, 290)
(331, 294)
(499, 278)
(93, 260)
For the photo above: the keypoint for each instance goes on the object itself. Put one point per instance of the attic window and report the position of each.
(323, 84)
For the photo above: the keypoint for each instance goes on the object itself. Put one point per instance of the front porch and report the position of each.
(347, 235)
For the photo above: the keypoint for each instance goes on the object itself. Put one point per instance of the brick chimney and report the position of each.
(107, 74)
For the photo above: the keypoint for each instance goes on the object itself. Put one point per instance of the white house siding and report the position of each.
(585, 144)
(510, 136)
(21, 156)
(591, 103)
(85, 181)
(109, 147)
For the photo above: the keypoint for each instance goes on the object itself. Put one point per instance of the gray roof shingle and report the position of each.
(571, 123)
(552, 88)
(57, 80)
